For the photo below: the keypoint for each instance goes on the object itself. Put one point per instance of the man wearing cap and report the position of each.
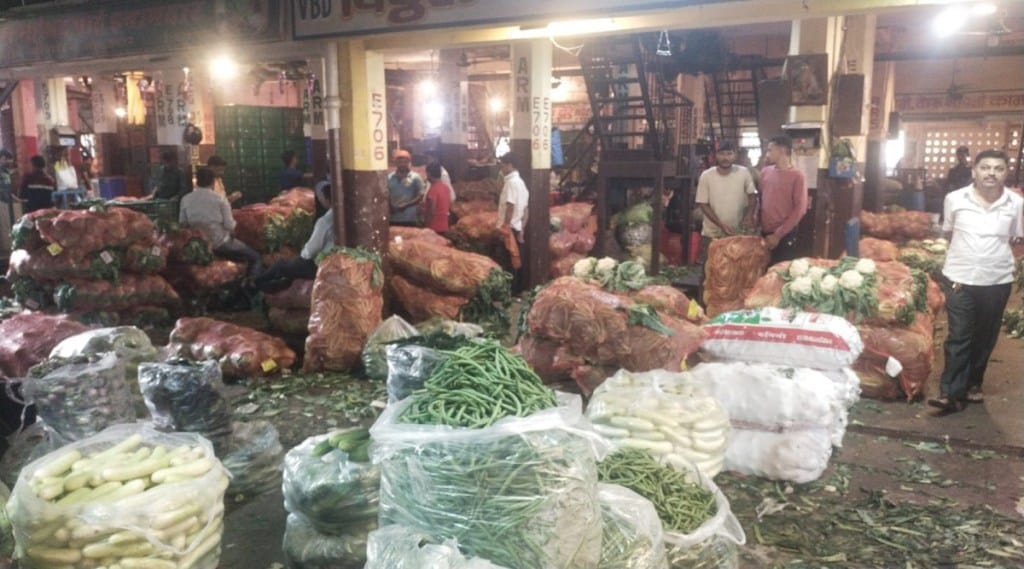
(405, 191)
(727, 197)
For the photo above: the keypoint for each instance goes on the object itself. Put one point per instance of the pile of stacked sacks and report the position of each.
(784, 377)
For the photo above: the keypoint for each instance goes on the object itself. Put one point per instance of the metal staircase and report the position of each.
(732, 102)
(633, 107)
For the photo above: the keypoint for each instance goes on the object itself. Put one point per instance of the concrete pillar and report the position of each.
(314, 125)
(454, 92)
(26, 130)
(358, 144)
(531, 142)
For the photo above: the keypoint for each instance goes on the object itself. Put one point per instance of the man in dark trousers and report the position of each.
(960, 176)
(981, 221)
(783, 200)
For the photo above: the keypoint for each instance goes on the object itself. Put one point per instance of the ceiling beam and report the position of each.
(740, 12)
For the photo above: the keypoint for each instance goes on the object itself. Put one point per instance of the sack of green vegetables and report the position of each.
(485, 454)
(306, 548)
(127, 497)
(253, 458)
(329, 480)
(398, 547)
(632, 536)
(701, 531)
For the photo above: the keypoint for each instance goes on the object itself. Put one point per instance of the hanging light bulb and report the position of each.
(664, 48)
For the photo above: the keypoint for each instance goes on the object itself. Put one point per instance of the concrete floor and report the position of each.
(882, 438)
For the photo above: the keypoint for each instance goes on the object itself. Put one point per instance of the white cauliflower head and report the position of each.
(865, 267)
(584, 268)
(828, 284)
(802, 285)
(816, 273)
(605, 266)
(851, 280)
(799, 268)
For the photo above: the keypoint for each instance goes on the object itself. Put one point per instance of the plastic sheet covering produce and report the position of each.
(375, 361)
(398, 547)
(632, 536)
(79, 397)
(521, 493)
(129, 497)
(734, 264)
(332, 488)
(185, 396)
(306, 548)
(783, 337)
(6, 531)
(347, 303)
(795, 456)
(131, 345)
(240, 351)
(253, 459)
(411, 362)
(27, 338)
(700, 529)
(422, 303)
(667, 414)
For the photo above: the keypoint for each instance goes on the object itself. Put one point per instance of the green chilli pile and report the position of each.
(682, 505)
(478, 385)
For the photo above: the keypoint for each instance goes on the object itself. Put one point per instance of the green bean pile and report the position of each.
(478, 385)
(682, 505)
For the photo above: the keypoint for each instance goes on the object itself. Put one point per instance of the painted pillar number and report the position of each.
(378, 131)
(541, 132)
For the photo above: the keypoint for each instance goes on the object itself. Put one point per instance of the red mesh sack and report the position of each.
(240, 351)
(346, 308)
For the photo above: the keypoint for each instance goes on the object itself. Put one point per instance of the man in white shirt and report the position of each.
(282, 273)
(210, 212)
(514, 198)
(726, 196)
(981, 220)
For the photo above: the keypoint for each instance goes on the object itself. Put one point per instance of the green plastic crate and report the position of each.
(165, 211)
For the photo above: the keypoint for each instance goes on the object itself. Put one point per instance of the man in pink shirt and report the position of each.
(783, 200)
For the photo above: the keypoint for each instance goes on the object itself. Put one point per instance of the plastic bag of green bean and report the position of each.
(306, 548)
(521, 493)
(398, 547)
(715, 544)
(632, 536)
(331, 490)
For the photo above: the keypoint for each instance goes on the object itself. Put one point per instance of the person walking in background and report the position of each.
(405, 190)
(981, 221)
(37, 186)
(437, 203)
(291, 176)
(173, 182)
(513, 214)
(210, 212)
(727, 197)
(960, 176)
(783, 200)
(218, 166)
